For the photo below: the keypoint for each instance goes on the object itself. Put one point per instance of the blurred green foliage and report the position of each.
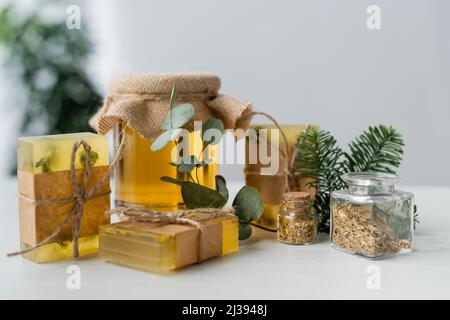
(48, 60)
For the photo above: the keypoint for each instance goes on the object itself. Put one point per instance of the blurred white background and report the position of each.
(301, 61)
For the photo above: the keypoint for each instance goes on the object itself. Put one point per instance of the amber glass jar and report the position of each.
(272, 187)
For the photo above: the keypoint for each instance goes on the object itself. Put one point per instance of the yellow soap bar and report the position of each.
(162, 248)
(61, 250)
(43, 154)
(43, 164)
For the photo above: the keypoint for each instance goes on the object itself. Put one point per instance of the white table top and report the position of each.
(263, 268)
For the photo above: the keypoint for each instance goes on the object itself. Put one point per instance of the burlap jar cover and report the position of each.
(141, 101)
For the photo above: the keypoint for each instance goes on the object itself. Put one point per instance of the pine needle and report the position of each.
(318, 157)
(378, 149)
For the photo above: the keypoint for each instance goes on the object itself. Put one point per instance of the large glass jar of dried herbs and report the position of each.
(372, 218)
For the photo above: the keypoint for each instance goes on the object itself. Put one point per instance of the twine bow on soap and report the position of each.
(184, 217)
(81, 194)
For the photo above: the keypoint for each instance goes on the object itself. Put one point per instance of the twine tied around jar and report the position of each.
(80, 196)
(184, 217)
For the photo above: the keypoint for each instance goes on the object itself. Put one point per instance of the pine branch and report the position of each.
(319, 157)
(378, 149)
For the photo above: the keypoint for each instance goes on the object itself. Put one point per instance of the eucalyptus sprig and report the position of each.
(173, 121)
(247, 203)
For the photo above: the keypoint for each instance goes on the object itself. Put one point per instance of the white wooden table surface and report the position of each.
(263, 268)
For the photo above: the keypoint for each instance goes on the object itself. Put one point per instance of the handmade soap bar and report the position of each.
(45, 154)
(44, 174)
(161, 248)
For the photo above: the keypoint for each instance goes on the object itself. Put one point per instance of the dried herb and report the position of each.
(44, 164)
(297, 223)
(360, 230)
(296, 230)
(94, 157)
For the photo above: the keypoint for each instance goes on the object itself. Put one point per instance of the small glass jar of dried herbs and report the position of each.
(371, 218)
(297, 224)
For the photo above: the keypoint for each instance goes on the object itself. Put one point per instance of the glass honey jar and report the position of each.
(134, 110)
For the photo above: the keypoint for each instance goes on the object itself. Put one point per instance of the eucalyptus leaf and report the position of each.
(248, 204)
(185, 168)
(211, 124)
(189, 165)
(198, 196)
(173, 180)
(245, 231)
(178, 116)
(221, 187)
(164, 139)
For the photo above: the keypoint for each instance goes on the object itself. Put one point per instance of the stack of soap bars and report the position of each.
(43, 165)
